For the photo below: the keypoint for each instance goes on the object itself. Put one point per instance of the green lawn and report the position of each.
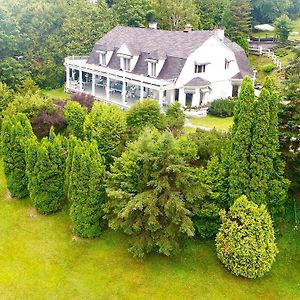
(39, 260)
(56, 93)
(213, 122)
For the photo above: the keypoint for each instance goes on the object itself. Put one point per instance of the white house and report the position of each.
(129, 64)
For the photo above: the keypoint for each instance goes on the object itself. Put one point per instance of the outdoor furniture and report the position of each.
(116, 87)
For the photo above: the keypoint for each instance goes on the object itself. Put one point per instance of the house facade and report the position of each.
(130, 64)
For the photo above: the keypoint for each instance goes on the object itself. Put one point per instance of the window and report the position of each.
(126, 64)
(152, 69)
(227, 64)
(103, 59)
(200, 68)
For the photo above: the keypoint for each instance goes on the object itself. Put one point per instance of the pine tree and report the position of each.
(47, 174)
(246, 241)
(175, 118)
(15, 131)
(87, 192)
(239, 158)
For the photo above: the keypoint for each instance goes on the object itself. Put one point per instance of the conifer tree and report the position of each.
(151, 195)
(239, 158)
(260, 160)
(47, 174)
(175, 118)
(15, 131)
(87, 192)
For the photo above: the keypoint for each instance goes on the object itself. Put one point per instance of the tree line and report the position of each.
(138, 172)
(36, 36)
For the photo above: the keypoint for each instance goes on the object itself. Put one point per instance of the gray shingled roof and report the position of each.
(175, 46)
(197, 81)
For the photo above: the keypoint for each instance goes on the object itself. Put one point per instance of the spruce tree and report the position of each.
(152, 194)
(15, 131)
(47, 174)
(87, 192)
(239, 158)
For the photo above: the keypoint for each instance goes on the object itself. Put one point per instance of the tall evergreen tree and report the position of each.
(15, 131)
(87, 191)
(260, 160)
(47, 173)
(152, 195)
(239, 161)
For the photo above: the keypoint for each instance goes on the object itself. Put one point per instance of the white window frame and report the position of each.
(126, 63)
(200, 68)
(152, 69)
(102, 57)
(227, 64)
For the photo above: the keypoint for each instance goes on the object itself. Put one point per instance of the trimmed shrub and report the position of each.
(87, 191)
(246, 242)
(222, 107)
(15, 131)
(268, 68)
(75, 115)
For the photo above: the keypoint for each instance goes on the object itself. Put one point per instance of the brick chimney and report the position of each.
(220, 33)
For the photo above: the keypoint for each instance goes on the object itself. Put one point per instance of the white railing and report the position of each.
(260, 51)
(80, 62)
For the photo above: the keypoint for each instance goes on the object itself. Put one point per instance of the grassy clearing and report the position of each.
(39, 260)
(56, 93)
(213, 122)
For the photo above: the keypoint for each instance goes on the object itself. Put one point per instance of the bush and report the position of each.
(268, 68)
(246, 242)
(84, 100)
(175, 118)
(222, 107)
(75, 115)
(144, 113)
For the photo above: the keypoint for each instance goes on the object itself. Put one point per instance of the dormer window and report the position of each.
(126, 64)
(103, 59)
(200, 68)
(152, 69)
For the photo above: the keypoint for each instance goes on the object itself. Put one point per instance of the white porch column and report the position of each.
(67, 77)
(172, 96)
(196, 98)
(161, 98)
(107, 88)
(93, 84)
(80, 81)
(141, 90)
(124, 92)
(182, 97)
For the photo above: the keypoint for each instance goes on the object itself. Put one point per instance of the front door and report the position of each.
(188, 99)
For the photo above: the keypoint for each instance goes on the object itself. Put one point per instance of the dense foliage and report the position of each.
(151, 195)
(14, 133)
(246, 241)
(46, 172)
(222, 107)
(87, 191)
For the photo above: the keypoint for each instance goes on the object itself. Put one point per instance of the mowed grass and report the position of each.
(213, 122)
(56, 93)
(39, 260)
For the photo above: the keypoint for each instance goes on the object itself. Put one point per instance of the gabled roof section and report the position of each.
(157, 55)
(197, 81)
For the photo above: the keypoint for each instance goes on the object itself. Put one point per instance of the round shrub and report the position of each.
(246, 242)
(222, 107)
(268, 68)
